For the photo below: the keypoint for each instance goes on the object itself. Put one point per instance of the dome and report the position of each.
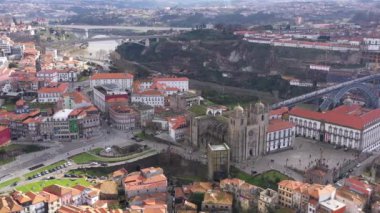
(259, 106)
(239, 108)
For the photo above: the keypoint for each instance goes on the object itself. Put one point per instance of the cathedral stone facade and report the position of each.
(244, 130)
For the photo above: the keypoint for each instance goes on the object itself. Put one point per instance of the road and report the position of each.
(63, 150)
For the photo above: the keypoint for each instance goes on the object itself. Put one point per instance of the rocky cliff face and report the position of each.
(231, 61)
(233, 57)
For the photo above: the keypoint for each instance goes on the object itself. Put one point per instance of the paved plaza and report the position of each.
(304, 154)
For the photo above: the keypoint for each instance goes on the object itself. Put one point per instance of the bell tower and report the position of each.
(236, 134)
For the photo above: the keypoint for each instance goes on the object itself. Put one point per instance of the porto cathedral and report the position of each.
(244, 130)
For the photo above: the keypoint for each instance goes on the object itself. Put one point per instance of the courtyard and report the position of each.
(305, 153)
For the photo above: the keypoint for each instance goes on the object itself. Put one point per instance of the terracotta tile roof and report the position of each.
(77, 97)
(94, 192)
(98, 76)
(218, 197)
(20, 102)
(57, 190)
(137, 180)
(279, 111)
(80, 187)
(61, 88)
(290, 184)
(358, 186)
(231, 181)
(70, 209)
(119, 172)
(49, 198)
(177, 122)
(7, 204)
(348, 116)
(109, 187)
(20, 197)
(200, 187)
(75, 192)
(117, 100)
(346, 194)
(277, 125)
(36, 198)
(122, 109)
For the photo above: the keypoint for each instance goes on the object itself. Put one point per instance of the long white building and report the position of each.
(181, 84)
(350, 126)
(122, 80)
(152, 98)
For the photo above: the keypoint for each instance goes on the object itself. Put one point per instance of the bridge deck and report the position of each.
(324, 91)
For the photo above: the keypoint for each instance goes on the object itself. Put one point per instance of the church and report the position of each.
(244, 130)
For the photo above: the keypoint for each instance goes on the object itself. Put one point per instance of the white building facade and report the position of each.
(348, 126)
(182, 84)
(280, 135)
(123, 80)
(150, 97)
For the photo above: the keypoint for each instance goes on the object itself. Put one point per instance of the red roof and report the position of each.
(279, 111)
(61, 88)
(170, 79)
(150, 92)
(20, 102)
(177, 122)
(97, 76)
(353, 116)
(277, 125)
(358, 186)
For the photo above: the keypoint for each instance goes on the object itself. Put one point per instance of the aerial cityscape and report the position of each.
(211, 106)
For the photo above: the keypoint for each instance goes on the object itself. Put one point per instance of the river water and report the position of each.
(95, 46)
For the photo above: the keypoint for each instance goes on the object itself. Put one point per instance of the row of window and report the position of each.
(280, 134)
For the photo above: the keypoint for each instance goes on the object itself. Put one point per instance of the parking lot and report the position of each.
(304, 154)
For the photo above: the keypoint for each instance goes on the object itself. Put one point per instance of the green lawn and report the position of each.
(96, 151)
(52, 166)
(39, 185)
(86, 157)
(267, 179)
(198, 110)
(9, 182)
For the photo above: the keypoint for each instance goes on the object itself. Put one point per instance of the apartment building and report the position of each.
(123, 80)
(147, 181)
